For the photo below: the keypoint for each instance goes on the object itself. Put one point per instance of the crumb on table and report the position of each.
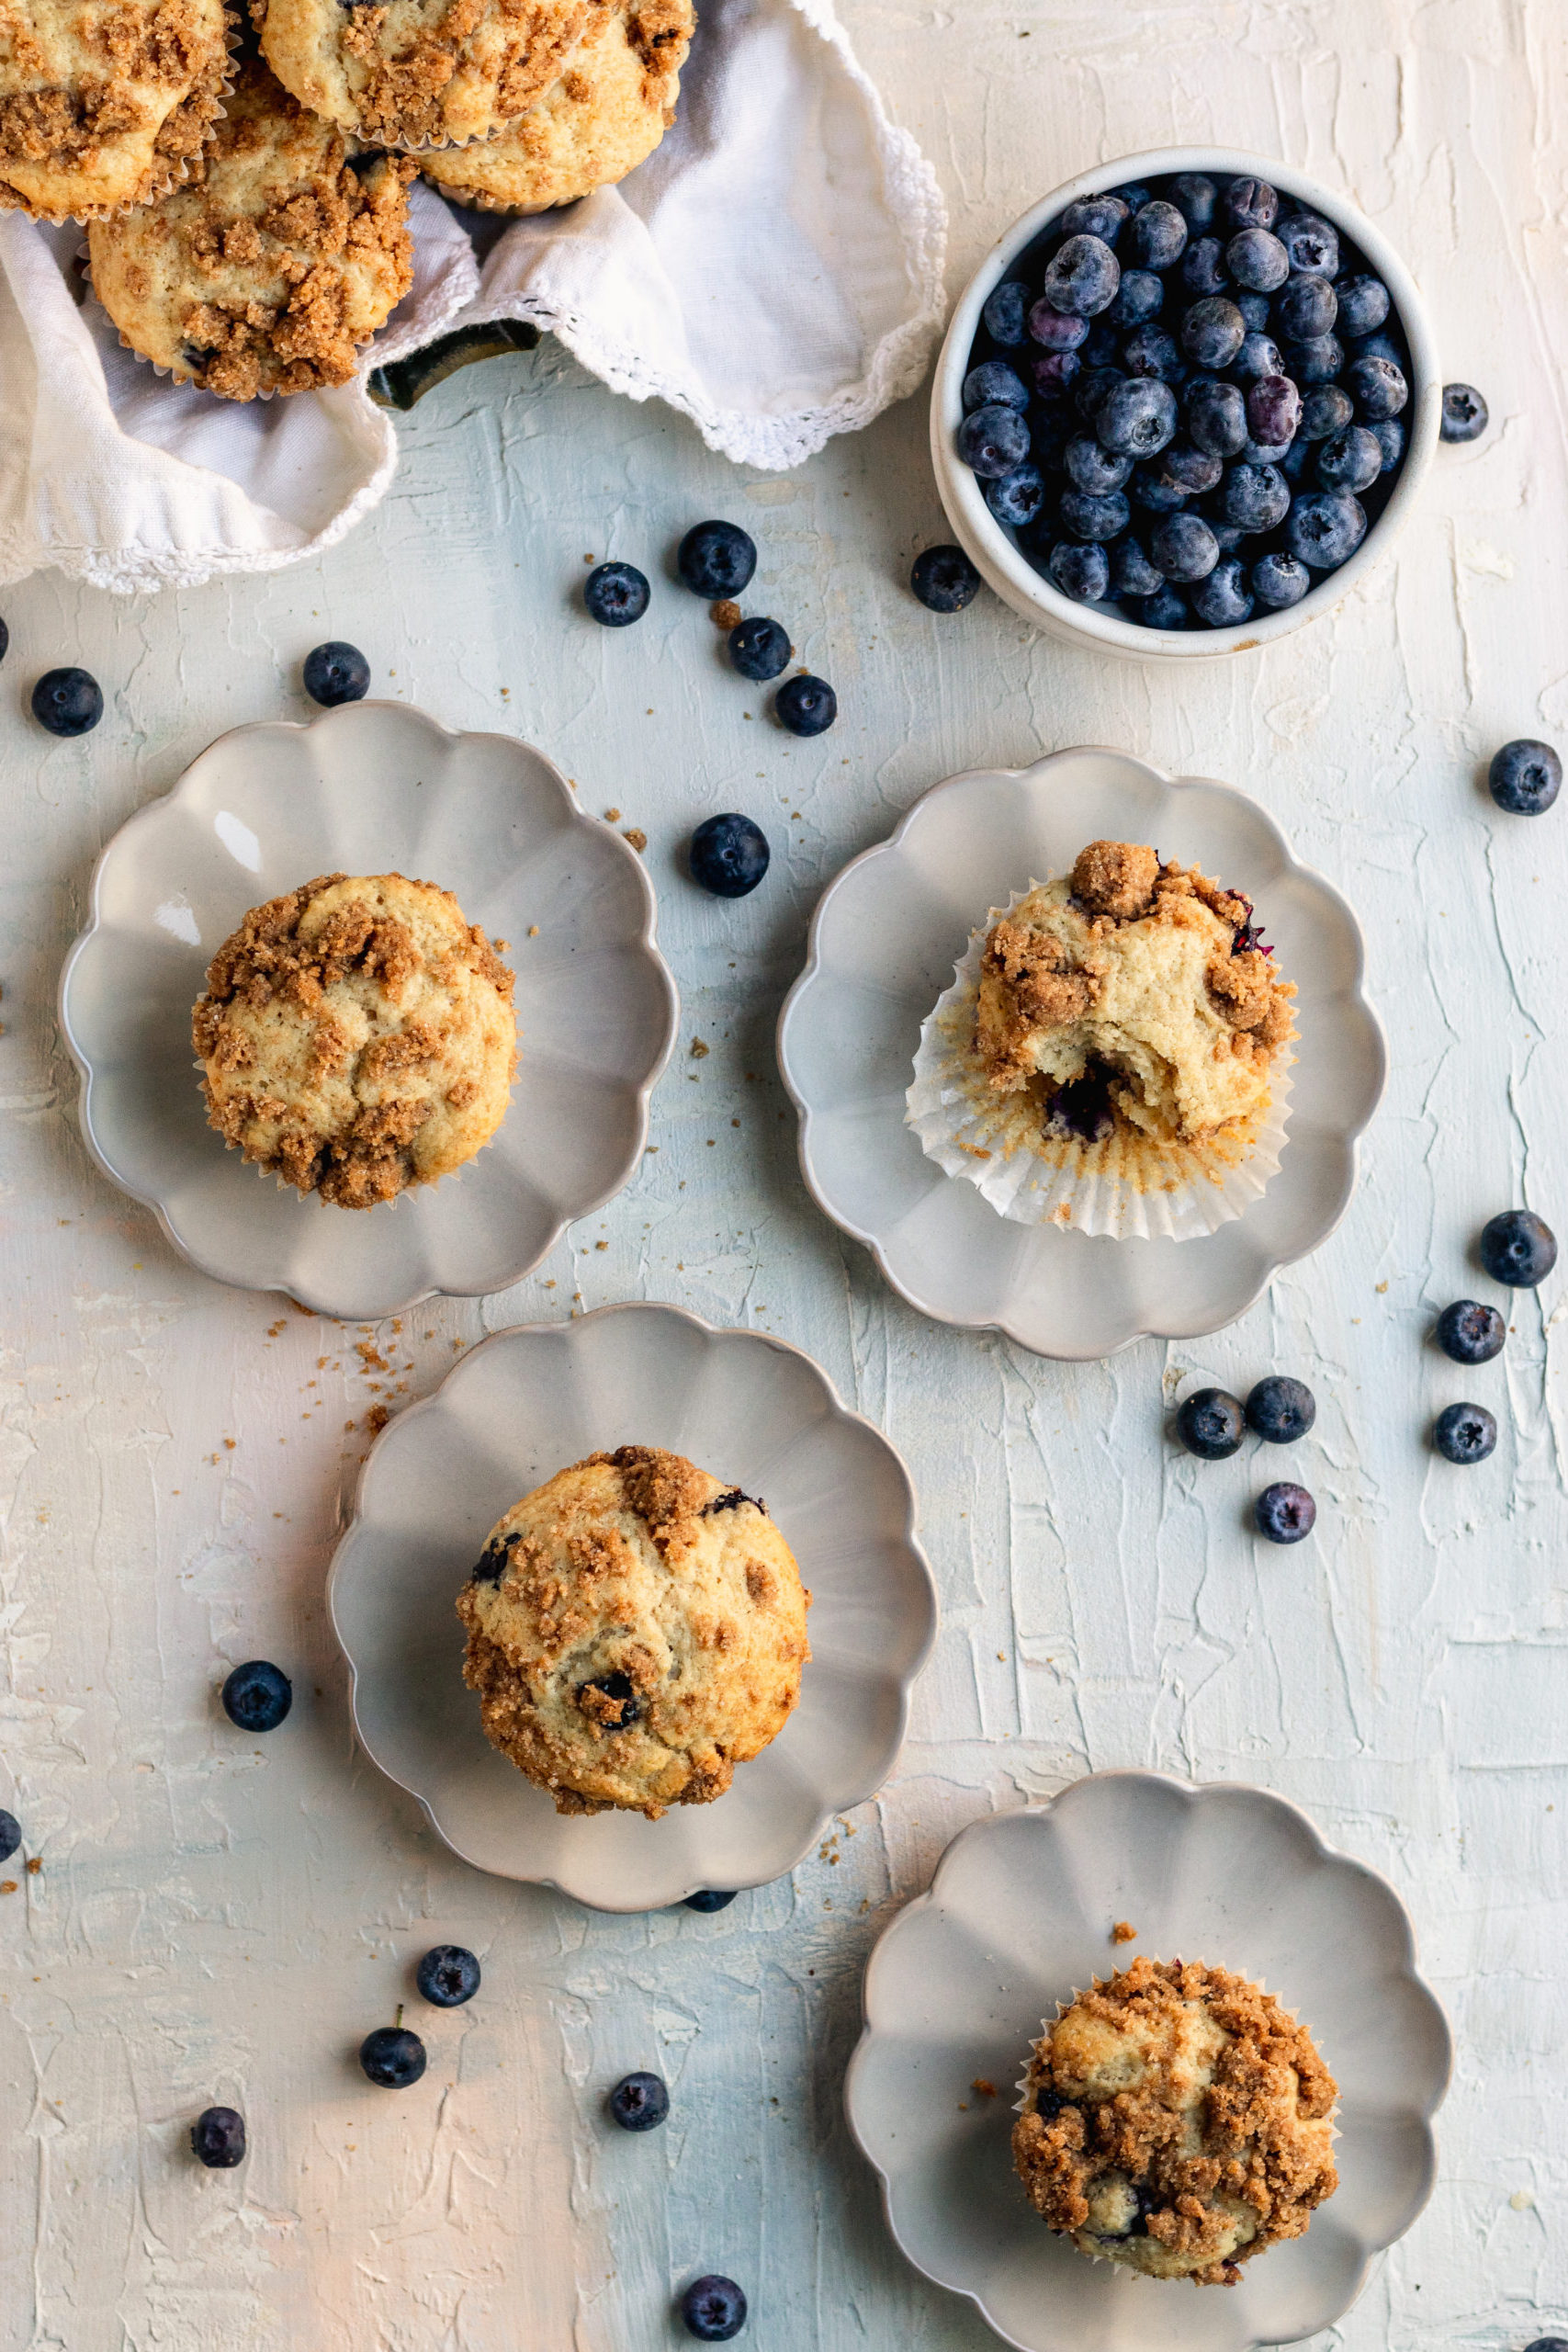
(1123, 1932)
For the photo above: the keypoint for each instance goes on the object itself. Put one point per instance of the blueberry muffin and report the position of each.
(1175, 2120)
(602, 116)
(413, 72)
(273, 265)
(636, 1628)
(105, 103)
(357, 1038)
(1132, 995)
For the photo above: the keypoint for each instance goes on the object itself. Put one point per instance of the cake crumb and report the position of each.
(725, 614)
(638, 838)
(982, 2084)
(1123, 1932)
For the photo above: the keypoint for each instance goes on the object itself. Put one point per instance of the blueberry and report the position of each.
(1007, 305)
(1195, 196)
(1138, 297)
(1279, 580)
(257, 1695)
(710, 1898)
(1212, 331)
(1210, 1424)
(993, 439)
(1091, 467)
(1549, 2344)
(1222, 600)
(1216, 418)
(1102, 344)
(1470, 1332)
(1156, 492)
(1376, 346)
(1016, 500)
(1464, 1433)
(1095, 216)
(1350, 461)
(1082, 276)
(1306, 309)
(1284, 1513)
(1273, 410)
(1324, 528)
(1293, 464)
(1051, 372)
(10, 1834)
(1465, 414)
(805, 706)
(716, 560)
(1190, 470)
(714, 2309)
(1052, 330)
(1324, 410)
(1095, 390)
(992, 381)
(943, 579)
(759, 648)
(1086, 517)
(1251, 204)
(1311, 242)
(1149, 351)
(1254, 498)
(1525, 777)
(392, 2057)
(617, 593)
(1184, 546)
(728, 855)
(448, 1975)
(1228, 536)
(1389, 433)
(218, 2138)
(1257, 261)
(1137, 417)
(1134, 195)
(1317, 362)
(1363, 304)
(1279, 1410)
(1259, 355)
(1264, 452)
(1051, 426)
(1158, 235)
(1518, 1249)
(1204, 268)
(1254, 309)
(1132, 573)
(1079, 572)
(70, 702)
(638, 2102)
(1377, 386)
(4, 639)
(1167, 609)
(336, 673)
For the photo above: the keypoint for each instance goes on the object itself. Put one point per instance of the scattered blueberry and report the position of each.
(1086, 516)
(943, 579)
(760, 649)
(638, 2102)
(806, 705)
(1132, 572)
(1251, 204)
(1518, 1249)
(1184, 546)
(1006, 307)
(1195, 197)
(716, 560)
(1284, 1513)
(710, 1898)
(714, 2310)
(1363, 304)
(336, 673)
(1137, 418)
(10, 1835)
(218, 2138)
(1377, 386)
(994, 382)
(1281, 1410)
(4, 639)
(1312, 244)
(1212, 331)
(392, 2057)
(1465, 414)
(1306, 309)
(1525, 777)
(1082, 573)
(1158, 235)
(1224, 600)
(1082, 276)
(1257, 261)
(1015, 500)
(1350, 460)
(1470, 1332)
(68, 702)
(1255, 497)
(1464, 1433)
(1324, 528)
(993, 439)
(448, 1975)
(1210, 1424)
(1279, 580)
(614, 594)
(728, 855)
(1549, 2344)
(1095, 216)
(257, 1695)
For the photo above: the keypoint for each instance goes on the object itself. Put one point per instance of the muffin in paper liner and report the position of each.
(1125, 1187)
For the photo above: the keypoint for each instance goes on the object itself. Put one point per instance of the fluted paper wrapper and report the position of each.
(1127, 1187)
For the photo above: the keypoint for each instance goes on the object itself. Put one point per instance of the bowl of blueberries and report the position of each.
(1185, 405)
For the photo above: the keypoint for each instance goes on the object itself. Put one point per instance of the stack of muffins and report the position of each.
(246, 206)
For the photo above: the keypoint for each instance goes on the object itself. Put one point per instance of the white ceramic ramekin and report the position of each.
(992, 549)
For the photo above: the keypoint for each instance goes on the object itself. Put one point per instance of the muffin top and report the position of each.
(105, 103)
(636, 1628)
(273, 265)
(403, 73)
(599, 118)
(1147, 972)
(1177, 2121)
(357, 1036)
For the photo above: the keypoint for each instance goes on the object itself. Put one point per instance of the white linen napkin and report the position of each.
(774, 271)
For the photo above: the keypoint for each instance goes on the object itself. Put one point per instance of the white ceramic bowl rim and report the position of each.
(988, 544)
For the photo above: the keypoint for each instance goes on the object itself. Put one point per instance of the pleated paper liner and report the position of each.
(1125, 1187)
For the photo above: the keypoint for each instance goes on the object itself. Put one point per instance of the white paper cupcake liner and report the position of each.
(1123, 1189)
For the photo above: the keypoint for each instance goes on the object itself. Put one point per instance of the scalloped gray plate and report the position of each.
(1017, 1918)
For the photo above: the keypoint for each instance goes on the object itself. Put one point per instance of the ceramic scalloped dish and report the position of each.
(1018, 1918)
(372, 788)
(884, 941)
(530, 1402)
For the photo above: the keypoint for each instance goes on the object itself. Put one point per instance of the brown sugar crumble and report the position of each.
(1123, 1932)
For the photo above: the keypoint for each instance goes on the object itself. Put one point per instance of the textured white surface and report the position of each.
(223, 1918)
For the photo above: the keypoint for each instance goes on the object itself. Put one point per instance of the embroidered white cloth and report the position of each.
(774, 271)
